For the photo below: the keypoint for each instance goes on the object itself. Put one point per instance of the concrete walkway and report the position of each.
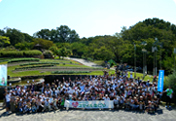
(84, 62)
(92, 115)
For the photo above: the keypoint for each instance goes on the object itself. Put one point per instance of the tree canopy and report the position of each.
(64, 41)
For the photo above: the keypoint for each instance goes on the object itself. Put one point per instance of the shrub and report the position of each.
(34, 66)
(15, 53)
(22, 59)
(89, 59)
(171, 81)
(11, 53)
(37, 63)
(32, 53)
(69, 72)
(48, 54)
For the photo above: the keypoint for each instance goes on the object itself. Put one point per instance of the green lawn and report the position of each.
(59, 60)
(62, 63)
(71, 65)
(98, 62)
(148, 77)
(65, 64)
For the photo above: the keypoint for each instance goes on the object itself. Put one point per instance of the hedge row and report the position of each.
(37, 63)
(23, 59)
(29, 53)
(68, 72)
(34, 66)
(32, 53)
(76, 68)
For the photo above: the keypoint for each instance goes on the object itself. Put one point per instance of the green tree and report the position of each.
(65, 34)
(46, 44)
(79, 49)
(28, 38)
(4, 41)
(44, 34)
(55, 50)
(24, 46)
(2, 32)
(64, 52)
(15, 36)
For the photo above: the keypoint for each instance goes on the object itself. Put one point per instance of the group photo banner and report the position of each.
(3, 75)
(89, 104)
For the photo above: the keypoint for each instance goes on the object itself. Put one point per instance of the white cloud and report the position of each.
(173, 0)
(0, 0)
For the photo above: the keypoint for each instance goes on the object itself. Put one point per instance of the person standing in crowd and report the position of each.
(169, 93)
(7, 97)
(123, 90)
(4, 97)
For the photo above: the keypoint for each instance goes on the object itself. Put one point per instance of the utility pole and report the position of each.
(154, 50)
(134, 61)
(144, 59)
(174, 58)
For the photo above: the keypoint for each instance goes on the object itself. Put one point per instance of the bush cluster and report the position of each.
(37, 63)
(77, 68)
(34, 66)
(11, 54)
(68, 72)
(15, 53)
(22, 59)
(32, 53)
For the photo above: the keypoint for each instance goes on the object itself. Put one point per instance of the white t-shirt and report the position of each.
(106, 98)
(8, 97)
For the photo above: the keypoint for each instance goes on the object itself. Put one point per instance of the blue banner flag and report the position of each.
(161, 80)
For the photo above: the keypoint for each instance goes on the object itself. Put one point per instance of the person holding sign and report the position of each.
(169, 93)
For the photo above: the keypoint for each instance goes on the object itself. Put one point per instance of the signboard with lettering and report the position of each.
(89, 104)
(161, 80)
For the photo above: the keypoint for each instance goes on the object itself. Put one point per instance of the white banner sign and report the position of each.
(89, 104)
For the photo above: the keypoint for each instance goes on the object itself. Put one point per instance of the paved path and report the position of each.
(94, 115)
(84, 62)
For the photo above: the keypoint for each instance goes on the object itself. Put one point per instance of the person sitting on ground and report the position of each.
(116, 103)
(134, 104)
(141, 103)
(20, 105)
(156, 102)
(55, 103)
(150, 107)
(127, 104)
(33, 106)
(47, 105)
(28, 106)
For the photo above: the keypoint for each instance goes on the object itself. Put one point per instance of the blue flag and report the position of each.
(161, 80)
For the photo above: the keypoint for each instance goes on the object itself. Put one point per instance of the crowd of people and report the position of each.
(127, 93)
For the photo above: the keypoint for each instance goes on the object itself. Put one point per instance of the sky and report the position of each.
(87, 17)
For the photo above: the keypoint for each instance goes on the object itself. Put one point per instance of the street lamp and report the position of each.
(144, 59)
(174, 58)
(134, 61)
(154, 50)
(161, 46)
(144, 62)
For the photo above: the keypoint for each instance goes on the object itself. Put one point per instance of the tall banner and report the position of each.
(3, 75)
(161, 80)
(89, 104)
